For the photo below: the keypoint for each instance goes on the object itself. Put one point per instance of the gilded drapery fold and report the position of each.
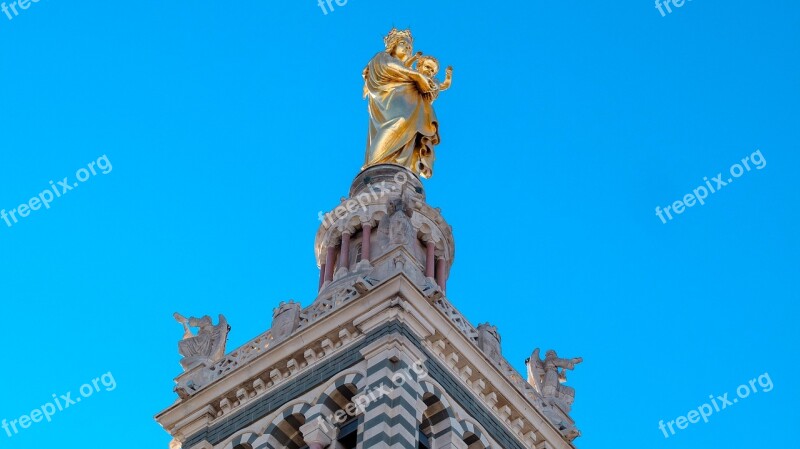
(403, 128)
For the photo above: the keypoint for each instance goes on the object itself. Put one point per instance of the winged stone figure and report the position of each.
(208, 346)
(535, 371)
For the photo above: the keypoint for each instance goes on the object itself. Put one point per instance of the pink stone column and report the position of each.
(441, 276)
(321, 276)
(446, 275)
(366, 233)
(344, 254)
(330, 259)
(430, 259)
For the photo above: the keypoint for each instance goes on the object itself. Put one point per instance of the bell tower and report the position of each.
(380, 358)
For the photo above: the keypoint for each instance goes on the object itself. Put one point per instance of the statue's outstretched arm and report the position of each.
(187, 333)
(410, 61)
(568, 363)
(448, 79)
(424, 83)
(401, 68)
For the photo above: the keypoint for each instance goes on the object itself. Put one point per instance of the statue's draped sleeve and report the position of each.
(403, 128)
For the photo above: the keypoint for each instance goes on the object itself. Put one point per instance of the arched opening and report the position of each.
(287, 433)
(339, 398)
(358, 251)
(473, 441)
(337, 407)
(434, 418)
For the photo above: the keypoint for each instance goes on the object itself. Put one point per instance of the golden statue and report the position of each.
(403, 128)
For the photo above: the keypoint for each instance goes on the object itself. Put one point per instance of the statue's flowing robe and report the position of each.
(552, 379)
(200, 345)
(403, 128)
(209, 341)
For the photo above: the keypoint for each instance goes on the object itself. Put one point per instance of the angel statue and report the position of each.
(208, 346)
(546, 377)
(403, 128)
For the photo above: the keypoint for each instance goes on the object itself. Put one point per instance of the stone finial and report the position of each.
(208, 346)
(285, 320)
(489, 341)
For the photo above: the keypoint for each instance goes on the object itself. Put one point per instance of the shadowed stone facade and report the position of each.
(380, 359)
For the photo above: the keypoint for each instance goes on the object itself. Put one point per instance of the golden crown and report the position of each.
(396, 36)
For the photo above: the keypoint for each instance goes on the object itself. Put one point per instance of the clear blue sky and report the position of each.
(229, 125)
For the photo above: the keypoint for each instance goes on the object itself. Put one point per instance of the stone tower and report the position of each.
(380, 359)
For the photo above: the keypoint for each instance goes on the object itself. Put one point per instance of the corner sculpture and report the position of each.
(205, 348)
(546, 376)
(403, 128)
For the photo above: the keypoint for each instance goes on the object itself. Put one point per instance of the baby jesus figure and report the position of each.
(429, 66)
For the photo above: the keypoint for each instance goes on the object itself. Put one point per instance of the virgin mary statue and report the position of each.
(402, 124)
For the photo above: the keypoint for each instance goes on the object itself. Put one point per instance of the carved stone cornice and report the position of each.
(496, 385)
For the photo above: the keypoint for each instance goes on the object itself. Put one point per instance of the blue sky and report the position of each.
(229, 125)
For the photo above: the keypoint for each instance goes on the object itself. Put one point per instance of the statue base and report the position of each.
(373, 176)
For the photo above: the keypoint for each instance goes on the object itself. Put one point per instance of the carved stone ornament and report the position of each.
(285, 320)
(548, 375)
(489, 341)
(208, 346)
